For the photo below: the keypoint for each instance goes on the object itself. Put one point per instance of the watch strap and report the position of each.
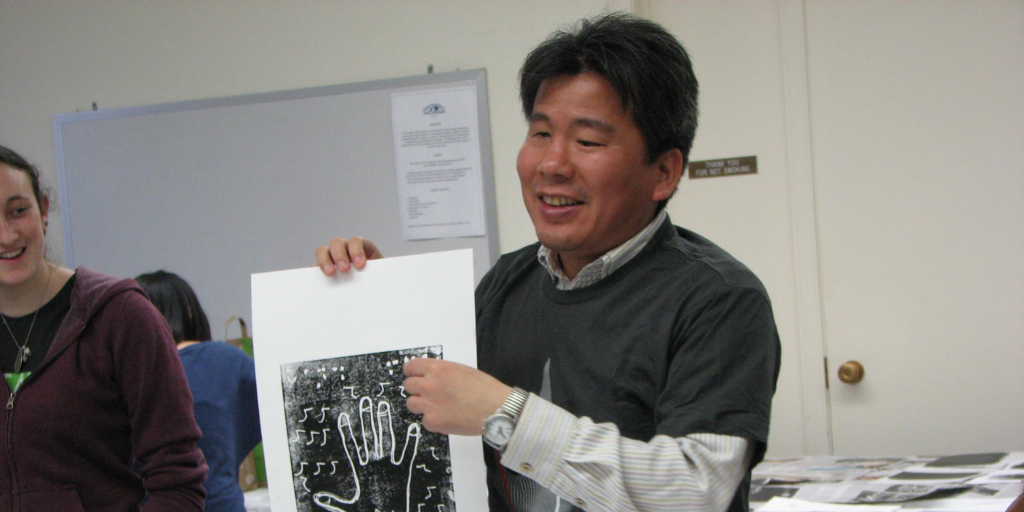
(515, 403)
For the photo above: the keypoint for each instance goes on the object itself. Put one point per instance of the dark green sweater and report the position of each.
(680, 340)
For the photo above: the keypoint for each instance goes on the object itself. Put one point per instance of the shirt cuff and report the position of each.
(539, 440)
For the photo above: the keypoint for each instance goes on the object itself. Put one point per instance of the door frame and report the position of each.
(803, 218)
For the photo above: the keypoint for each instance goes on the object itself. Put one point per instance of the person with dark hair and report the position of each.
(648, 69)
(93, 383)
(174, 298)
(223, 383)
(624, 363)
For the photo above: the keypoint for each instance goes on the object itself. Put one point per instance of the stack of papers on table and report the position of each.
(986, 480)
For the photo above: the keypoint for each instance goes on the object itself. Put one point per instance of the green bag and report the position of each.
(253, 472)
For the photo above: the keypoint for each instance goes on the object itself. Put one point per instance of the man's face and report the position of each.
(583, 172)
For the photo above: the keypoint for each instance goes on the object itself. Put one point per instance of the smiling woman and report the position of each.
(22, 239)
(73, 435)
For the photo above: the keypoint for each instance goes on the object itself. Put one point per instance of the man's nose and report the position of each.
(557, 161)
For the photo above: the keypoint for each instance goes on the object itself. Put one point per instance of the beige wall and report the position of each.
(58, 57)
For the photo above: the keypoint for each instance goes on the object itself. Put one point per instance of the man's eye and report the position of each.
(590, 144)
(541, 134)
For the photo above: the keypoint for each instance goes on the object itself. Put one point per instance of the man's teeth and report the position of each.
(559, 201)
(11, 255)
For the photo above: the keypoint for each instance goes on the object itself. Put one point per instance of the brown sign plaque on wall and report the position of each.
(723, 167)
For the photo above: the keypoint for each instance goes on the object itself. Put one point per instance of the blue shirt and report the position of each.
(223, 383)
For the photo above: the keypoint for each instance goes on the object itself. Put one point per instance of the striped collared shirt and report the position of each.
(693, 473)
(604, 266)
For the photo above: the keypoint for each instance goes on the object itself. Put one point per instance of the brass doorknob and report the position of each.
(851, 372)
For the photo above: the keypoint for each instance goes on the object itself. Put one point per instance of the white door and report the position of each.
(887, 216)
(917, 127)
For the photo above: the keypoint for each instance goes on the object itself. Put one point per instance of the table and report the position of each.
(981, 482)
(976, 481)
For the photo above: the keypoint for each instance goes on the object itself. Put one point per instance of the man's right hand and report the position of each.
(340, 254)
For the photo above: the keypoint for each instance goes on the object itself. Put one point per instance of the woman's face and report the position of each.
(22, 244)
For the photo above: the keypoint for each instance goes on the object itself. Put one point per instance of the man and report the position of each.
(644, 357)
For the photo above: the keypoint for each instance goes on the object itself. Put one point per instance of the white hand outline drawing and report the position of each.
(378, 444)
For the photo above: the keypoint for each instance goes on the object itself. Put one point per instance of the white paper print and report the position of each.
(329, 354)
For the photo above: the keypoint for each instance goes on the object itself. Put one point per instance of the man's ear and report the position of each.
(670, 169)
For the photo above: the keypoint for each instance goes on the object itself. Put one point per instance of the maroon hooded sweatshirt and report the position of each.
(111, 390)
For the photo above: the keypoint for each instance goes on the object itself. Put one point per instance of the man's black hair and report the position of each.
(645, 65)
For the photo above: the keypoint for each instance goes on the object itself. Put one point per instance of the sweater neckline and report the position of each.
(599, 288)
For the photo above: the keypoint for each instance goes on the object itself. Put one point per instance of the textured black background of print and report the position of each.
(318, 393)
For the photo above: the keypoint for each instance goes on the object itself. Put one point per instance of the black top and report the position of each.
(51, 315)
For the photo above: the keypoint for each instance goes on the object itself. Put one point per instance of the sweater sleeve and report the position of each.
(159, 407)
(593, 467)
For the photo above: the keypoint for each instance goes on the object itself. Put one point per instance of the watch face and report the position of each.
(498, 429)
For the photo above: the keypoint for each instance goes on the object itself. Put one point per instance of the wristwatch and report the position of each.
(498, 427)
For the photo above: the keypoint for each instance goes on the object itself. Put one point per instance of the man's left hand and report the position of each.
(453, 398)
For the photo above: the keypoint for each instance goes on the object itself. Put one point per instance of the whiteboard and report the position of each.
(216, 190)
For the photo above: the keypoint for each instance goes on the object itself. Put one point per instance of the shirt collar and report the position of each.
(604, 266)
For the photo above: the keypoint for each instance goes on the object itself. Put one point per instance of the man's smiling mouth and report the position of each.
(559, 201)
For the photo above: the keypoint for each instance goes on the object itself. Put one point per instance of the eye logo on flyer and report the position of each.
(433, 110)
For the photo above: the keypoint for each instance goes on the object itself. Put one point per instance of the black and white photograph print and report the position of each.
(353, 444)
